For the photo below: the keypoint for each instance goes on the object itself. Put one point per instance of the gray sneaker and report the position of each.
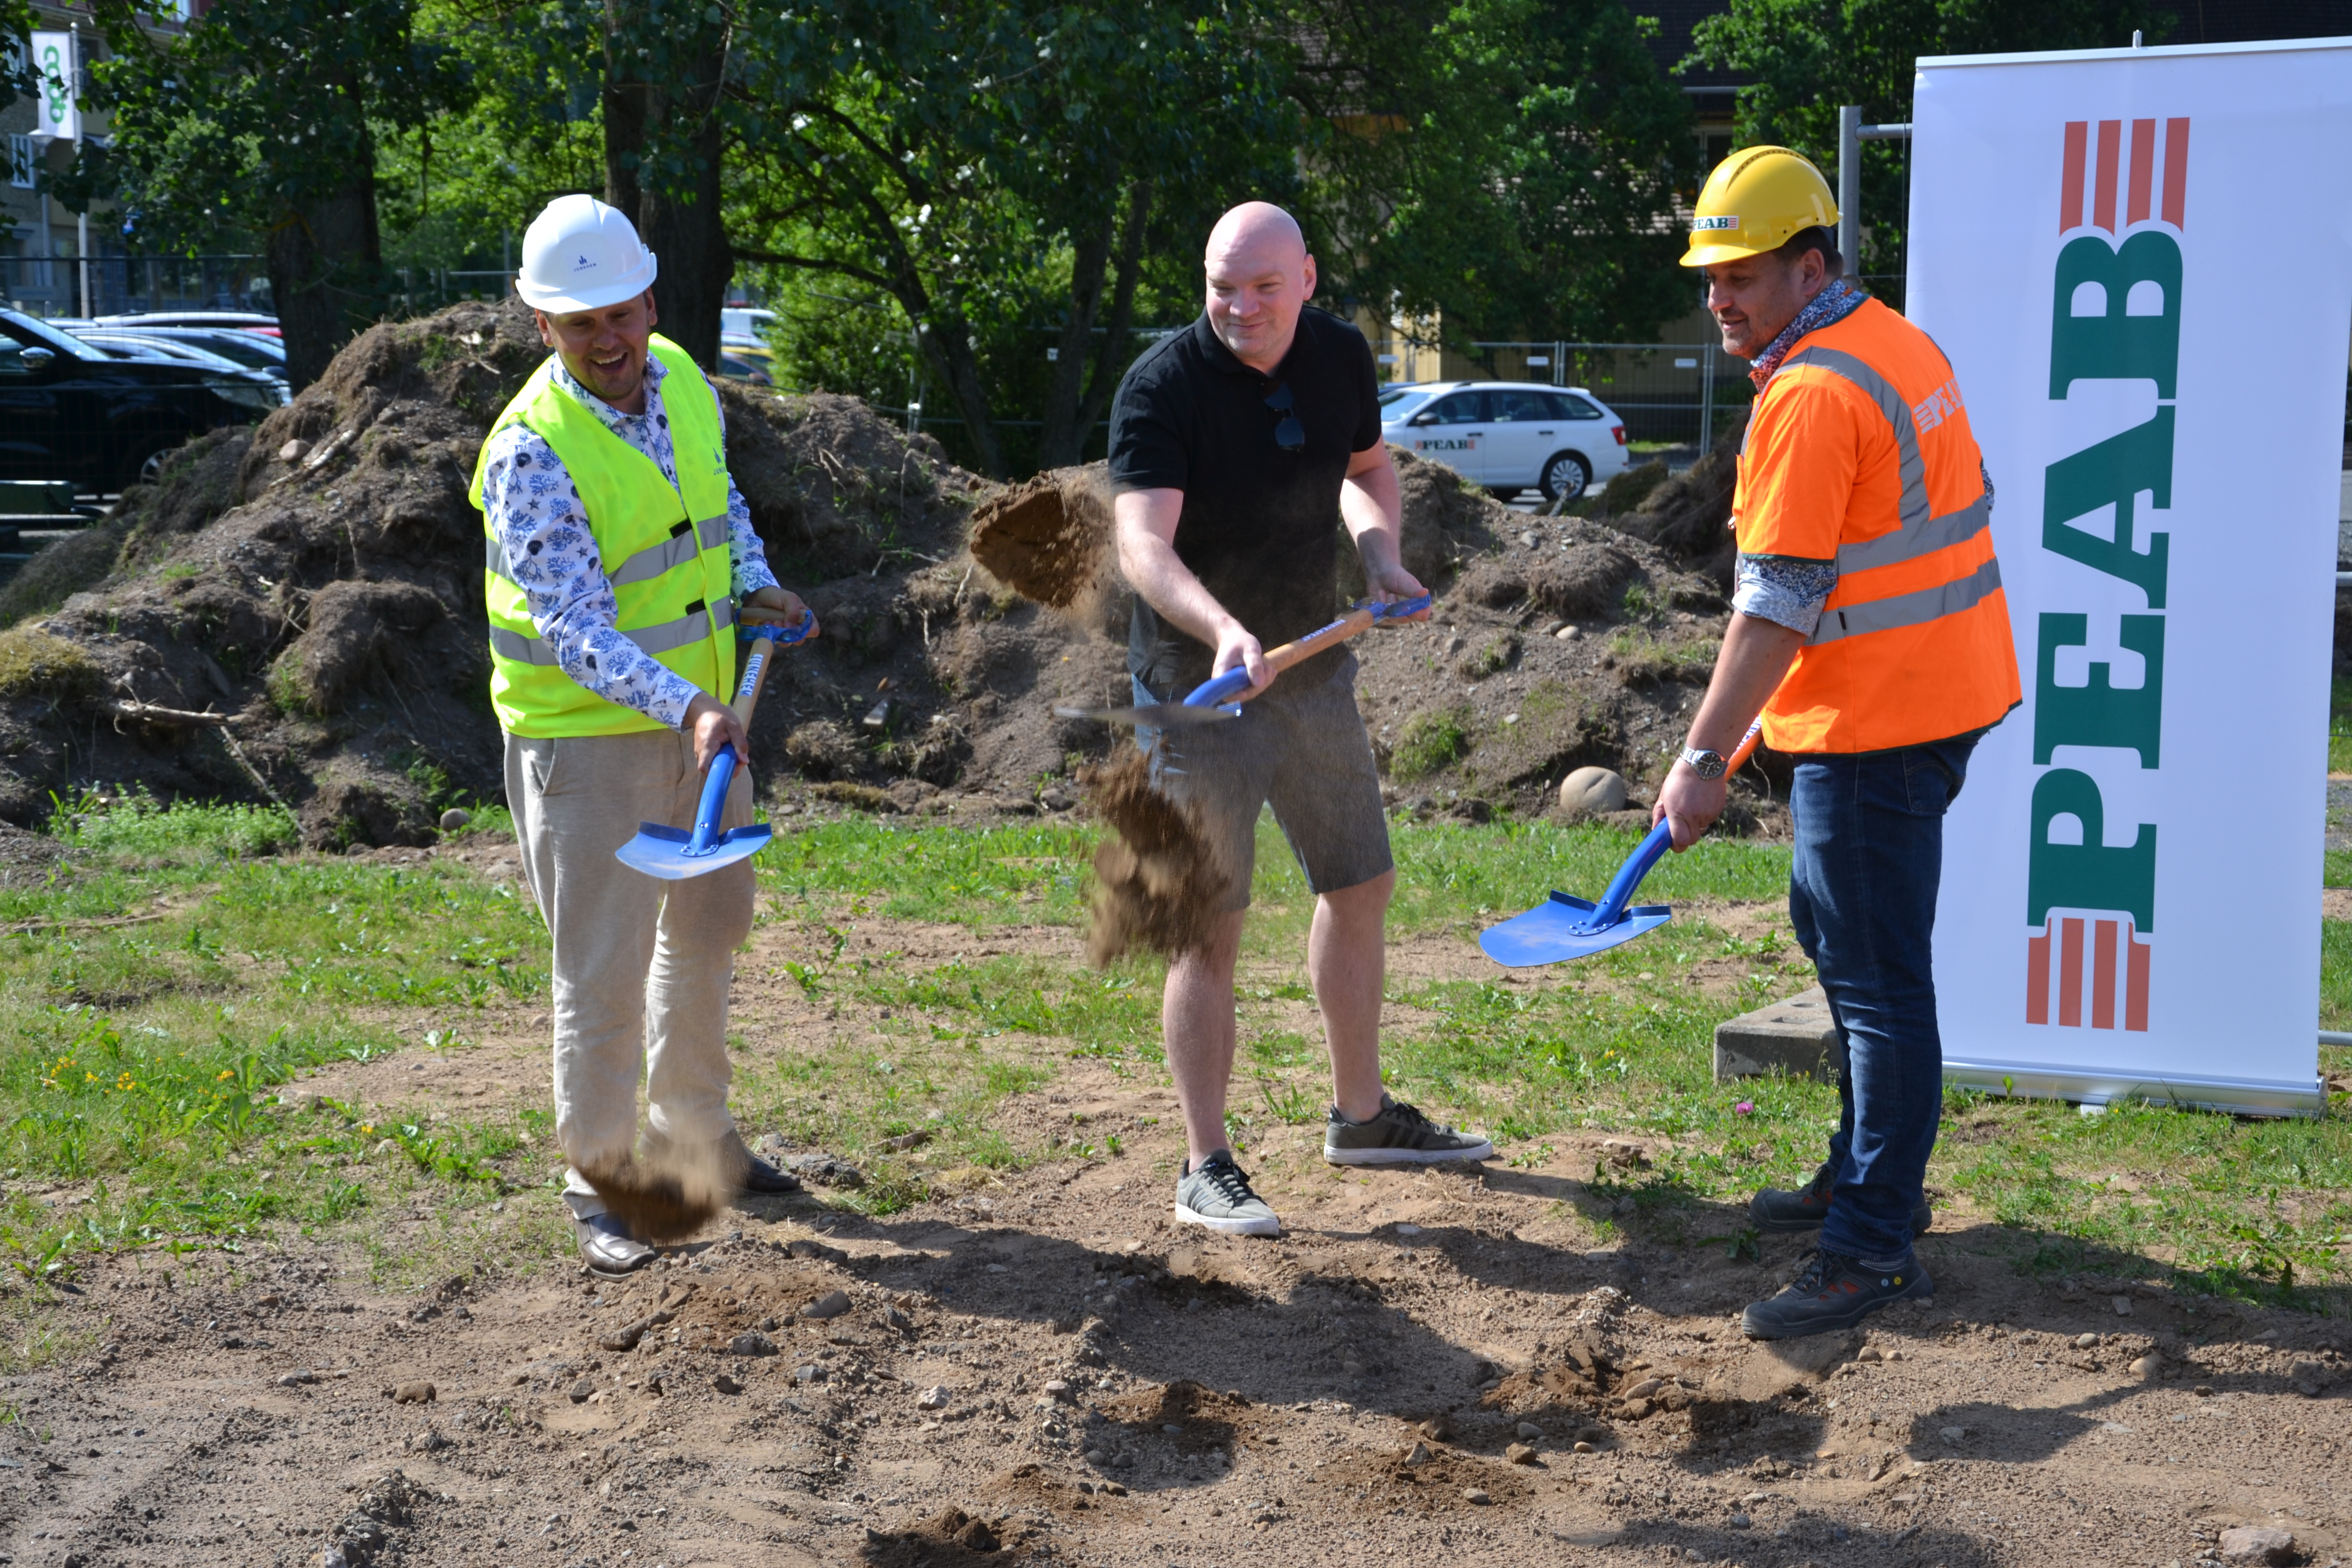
(1216, 1192)
(1398, 1135)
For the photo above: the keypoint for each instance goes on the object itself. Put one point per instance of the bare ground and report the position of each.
(1043, 1368)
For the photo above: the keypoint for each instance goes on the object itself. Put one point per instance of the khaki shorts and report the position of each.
(1302, 750)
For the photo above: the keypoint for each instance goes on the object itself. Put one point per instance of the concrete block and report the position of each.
(1794, 1037)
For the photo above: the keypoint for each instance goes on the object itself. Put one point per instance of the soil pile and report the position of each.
(1157, 888)
(294, 613)
(1688, 515)
(316, 583)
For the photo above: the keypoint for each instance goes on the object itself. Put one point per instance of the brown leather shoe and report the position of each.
(608, 1249)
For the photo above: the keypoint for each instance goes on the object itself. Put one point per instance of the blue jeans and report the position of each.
(1870, 853)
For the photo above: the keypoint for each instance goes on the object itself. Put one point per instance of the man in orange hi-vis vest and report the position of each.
(1869, 627)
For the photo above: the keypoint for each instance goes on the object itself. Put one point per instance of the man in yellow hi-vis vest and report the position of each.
(616, 549)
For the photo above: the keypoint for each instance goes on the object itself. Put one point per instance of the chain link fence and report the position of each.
(1675, 393)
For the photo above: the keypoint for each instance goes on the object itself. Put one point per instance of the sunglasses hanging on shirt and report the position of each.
(1290, 433)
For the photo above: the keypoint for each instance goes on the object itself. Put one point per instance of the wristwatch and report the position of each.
(1705, 764)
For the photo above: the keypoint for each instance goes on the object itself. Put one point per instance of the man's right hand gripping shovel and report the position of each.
(673, 854)
(1564, 926)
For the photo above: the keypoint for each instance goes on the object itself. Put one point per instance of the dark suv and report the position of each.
(70, 411)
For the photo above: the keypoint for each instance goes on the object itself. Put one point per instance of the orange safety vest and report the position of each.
(1859, 451)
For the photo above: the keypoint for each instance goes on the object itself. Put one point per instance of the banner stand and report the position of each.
(2140, 263)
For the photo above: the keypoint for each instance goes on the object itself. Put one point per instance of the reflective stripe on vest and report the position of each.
(1907, 609)
(1918, 533)
(667, 637)
(644, 566)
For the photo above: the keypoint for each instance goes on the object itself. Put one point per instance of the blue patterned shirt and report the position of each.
(539, 517)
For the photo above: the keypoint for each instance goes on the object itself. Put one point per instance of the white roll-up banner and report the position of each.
(2139, 261)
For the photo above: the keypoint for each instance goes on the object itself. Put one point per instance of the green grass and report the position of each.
(1432, 741)
(183, 970)
(2339, 727)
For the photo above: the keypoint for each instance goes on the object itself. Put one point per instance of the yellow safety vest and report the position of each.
(664, 548)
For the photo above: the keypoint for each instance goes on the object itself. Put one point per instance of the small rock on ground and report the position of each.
(2257, 1543)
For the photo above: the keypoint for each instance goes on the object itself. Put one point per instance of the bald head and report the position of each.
(1260, 277)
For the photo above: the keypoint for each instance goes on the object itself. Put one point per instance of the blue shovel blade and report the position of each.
(1560, 929)
(660, 851)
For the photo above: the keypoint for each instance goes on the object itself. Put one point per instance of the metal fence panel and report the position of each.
(1680, 393)
(117, 284)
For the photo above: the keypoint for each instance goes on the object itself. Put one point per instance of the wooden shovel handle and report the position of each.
(1316, 641)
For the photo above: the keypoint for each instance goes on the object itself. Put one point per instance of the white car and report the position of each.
(1508, 436)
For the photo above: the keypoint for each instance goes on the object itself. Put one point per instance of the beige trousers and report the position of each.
(641, 965)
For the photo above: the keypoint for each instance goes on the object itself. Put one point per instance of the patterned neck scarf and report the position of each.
(1839, 299)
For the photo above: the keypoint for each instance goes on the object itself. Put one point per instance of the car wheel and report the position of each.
(145, 466)
(1565, 476)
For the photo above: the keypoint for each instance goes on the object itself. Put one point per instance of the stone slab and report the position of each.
(1794, 1037)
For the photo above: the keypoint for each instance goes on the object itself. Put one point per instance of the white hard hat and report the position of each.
(580, 254)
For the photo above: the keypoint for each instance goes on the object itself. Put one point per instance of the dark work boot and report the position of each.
(1777, 1213)
(1833, 1292)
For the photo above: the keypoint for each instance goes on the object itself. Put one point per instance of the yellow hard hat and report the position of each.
(1757, 200)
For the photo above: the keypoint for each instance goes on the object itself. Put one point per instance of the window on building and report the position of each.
(20, 161)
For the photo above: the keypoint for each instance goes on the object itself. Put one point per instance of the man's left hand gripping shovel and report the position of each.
(673, 855)
(1564, 927)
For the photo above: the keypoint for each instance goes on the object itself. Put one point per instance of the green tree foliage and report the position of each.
(264, 116)
(1809, 57)
(458, 189)
(1510, 165)
(992, 169)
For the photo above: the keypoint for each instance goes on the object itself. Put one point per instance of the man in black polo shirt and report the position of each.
(1239, 447)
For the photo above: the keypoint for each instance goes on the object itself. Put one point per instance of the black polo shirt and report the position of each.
(1261, 526)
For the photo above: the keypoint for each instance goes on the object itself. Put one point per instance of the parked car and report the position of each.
(1509, 436)
(736, 322)
(69, 410)
(747, 359)
(248, 348)
(138, 345)
(241, 320)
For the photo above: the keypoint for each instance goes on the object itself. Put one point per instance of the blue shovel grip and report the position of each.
(1629, 876)
(1224, 689)
(706, 832)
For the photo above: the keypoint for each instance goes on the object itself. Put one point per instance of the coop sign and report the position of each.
(56, 115)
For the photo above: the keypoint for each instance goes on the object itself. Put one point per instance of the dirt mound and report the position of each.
(1688, 516)
(1156, 885)
(317, 579)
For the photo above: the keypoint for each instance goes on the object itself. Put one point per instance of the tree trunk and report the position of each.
(679, 218)
(1111, 357)
(1062, 437)
(326, 274)
(1074, 400)
(950, 347)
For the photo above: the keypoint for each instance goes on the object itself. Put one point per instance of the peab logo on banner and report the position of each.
(2130, 897)
(2115, 314)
